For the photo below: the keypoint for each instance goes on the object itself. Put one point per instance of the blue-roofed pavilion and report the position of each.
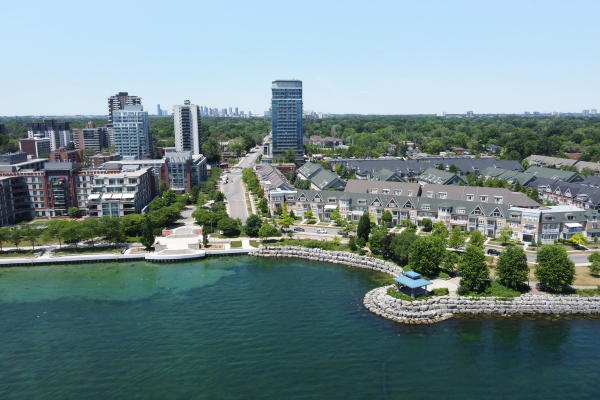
(412, 280)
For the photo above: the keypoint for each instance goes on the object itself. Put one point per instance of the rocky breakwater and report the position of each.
(335, 257)
(440, 308)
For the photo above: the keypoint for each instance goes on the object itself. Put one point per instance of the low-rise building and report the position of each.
(100, 159)
(439, 177)
(35, 147)
(63, 155)
(320, 179)
(551, 173)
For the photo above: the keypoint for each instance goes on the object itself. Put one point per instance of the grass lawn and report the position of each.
(89, 250)
(582, 276)
(236, 244)
(16, 254)
(254, 243)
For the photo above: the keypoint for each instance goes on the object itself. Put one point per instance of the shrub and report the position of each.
(441, 292)
(444, 275)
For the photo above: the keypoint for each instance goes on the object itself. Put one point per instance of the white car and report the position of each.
(321, 230)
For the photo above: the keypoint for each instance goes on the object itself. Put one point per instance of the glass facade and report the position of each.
(286, 106)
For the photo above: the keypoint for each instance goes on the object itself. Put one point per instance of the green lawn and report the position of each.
(89, 250)
(236, 244)
(16, 254)
(254, 243)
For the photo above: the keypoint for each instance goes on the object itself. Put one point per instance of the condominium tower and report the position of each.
(118, 102)
(58, 132)
(286, 105)
(131, 129)
(188, 130)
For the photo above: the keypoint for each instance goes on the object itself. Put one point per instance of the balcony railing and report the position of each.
(530, 231)
(572, 230)
(548, 231)
(458, 222)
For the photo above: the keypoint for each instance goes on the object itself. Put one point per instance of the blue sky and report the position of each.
(385, 57)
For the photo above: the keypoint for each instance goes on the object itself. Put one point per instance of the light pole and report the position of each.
(210, 228)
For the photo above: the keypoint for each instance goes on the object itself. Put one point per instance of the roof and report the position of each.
(364, 186)
(326, 179)
(433, 175)
(272, 178)
(552, 173)
(454, 192)
(309, 169)
(412, 283)
(545, 160)
(509, 175)
(388, 175)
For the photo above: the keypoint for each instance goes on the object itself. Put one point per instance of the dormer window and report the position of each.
(397, 192)
(410, 192)
(498, 199)
(443, 195)
(429, 194)
(483, 199)
(385, 191)
(470, 197)
(374, 190)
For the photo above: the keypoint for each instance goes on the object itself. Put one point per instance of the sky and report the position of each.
(364, 57)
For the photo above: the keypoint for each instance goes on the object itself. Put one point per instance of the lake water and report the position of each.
(247, 328)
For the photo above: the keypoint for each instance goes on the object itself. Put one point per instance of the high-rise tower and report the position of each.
(132, 132)
(286, 105)
(118, 102)
(188, 129)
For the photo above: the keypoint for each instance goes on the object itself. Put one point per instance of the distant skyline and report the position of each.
(67, 58)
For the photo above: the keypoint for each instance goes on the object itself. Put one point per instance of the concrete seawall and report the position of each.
(335, 257)
(441, 308)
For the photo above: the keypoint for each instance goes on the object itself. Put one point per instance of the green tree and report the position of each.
(594, 258)
(71, 231)
(364, 226)
(352, 243)
(426, 254)
(337, 216)
(90, 229)
(336, 240)
(457, 238)
(205, 236)
(133, 224)
(194, 193)
(427, 224)
(74, 212)
(506, 233)
(476, 239)
(267, 230)
(170, 197)
(111, 227)
(162, 186)
(440, 230)
(441, 166)
(578, 239)
(229, 226)
(473, 269)
(554, 267)
(148, 237)
(263, 206)
(376, 240)
(286, 220)
(31, 234)
(253, 224)
(386, 218)
(400, 245)
(512, 268)
(54, 230)
(453, 169)
(310, 216)
(4, 236)
(15, 237)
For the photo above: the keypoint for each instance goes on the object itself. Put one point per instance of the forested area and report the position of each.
(521, 136)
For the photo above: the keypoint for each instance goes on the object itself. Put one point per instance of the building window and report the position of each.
(397, 192)
(426, 208)
(443, 195)
(483, 199)
(470, 197)
(410, 192)
(460, 211)
(429, 194)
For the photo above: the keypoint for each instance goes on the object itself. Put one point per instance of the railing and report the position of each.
(545, 231)
(459, 222)
(528, 230)
(572, 230)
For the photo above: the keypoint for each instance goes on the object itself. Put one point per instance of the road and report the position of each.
(578, 258)
(234, 190)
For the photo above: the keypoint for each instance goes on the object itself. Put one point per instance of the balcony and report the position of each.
(571, 231)
(528, 231)
(459, 222)
(549, 231)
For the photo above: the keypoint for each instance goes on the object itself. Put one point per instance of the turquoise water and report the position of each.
(246, 328)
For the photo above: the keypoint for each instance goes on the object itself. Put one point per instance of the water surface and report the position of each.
(241, 327)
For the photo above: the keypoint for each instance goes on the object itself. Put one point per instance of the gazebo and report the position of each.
(412, 280)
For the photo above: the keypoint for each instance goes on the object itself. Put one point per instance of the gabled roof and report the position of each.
(552, 173)
(437, 176)
(309, 169)
(363, 186)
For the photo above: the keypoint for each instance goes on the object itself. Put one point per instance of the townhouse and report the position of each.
(320, 179)
(542, 224)
(566, 193)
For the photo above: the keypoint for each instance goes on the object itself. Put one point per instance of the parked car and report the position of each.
(298, 229)
(321, 230)
(340, 232)
(541, 288)
(494, 252)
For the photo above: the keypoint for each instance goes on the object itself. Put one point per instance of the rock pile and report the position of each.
(336, 257)
(440, 308)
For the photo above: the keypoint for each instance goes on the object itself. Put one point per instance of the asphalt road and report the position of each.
(234, 190)
(578, 258)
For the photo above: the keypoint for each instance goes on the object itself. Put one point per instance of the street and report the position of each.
(578, 258)
(234, 190)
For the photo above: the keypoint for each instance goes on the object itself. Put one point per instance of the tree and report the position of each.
(310, 216)
(229, 226)
(352, 243)
(74, 212)
(90, 228)
(253, 224)
(477, 239)
(376, 240)
(400, 245)
(336, 240)
(54, 230)
(578, 239)
(148, 237)
(194, 193)
(15, 237)
(427, 224)
(440, 230)
(457, 238)
(162, 186)
(267, 230)
(473, 269)
(205, 236)
(133, 224)
(512, 268)
(594, 258)
(336, 216)
(453, 169)
(71, 231)
(286, 220)
(31, 234)
(263, 206)
(386, 218)
(554, 267)
(112, 230)
(426, 254)
(170, 197)
(506, 233)
(441, 167)
(364, 226)
(4, 236)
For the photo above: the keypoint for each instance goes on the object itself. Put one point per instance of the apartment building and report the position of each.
(58, 132)
(63, 155)
(131, 131)
(320, 178)
(188, 128)
(35, 147)
(566, 193)
(91, 137)
(286, 105)
(543, 224)
(128, 191)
